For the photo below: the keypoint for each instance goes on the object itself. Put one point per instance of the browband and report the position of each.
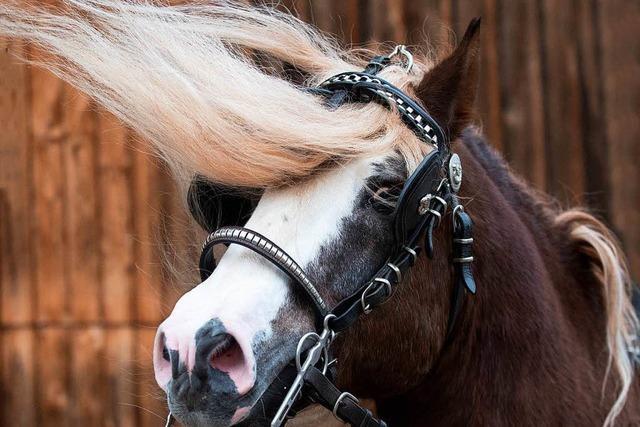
(364, 87)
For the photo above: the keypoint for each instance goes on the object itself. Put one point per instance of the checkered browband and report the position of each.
(366, 87)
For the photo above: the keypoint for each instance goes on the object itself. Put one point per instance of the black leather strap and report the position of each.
(365, 87)
(374, 292)
(344, 406)
(462, 260)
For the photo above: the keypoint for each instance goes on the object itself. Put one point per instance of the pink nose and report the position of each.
(211, 349)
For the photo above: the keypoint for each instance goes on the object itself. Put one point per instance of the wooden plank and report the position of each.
(346, 13)
(121, 404)
(82, 213)
(52, 376)
(17, 406)
(521, 90)
(88, 385)
(116, 242)
(618, 24)
(146, 222)
(16, 261)
(385, 22)
(320, 13)
(488, 99)
(428, 24)
(50, 210)
(151, 399)
(562, 102)
(181, 242)
(596, 155)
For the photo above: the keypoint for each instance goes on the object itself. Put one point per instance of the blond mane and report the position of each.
(186, 79)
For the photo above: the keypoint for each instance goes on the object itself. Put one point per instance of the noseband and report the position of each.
(421, 206)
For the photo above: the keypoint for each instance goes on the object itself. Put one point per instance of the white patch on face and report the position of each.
(246, 291)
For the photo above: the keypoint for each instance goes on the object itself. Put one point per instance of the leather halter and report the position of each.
(420, 208)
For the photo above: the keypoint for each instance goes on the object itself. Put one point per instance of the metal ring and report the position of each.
(396, 270)
(328, 318)
(340, 399)
(411, 252)
(402, 50)
(464, 260)
(385, 282)
(299, 350)
(453, 214)
(442, 182)
(327, 362)
(442, 201)
(457, 208)
(437, 214)
(366, 308)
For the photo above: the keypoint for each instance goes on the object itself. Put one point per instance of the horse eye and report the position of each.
(383, 194)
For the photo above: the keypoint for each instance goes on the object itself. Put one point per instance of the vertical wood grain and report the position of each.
(121, 402)
(522, 113)
(149, 284)
(16, 257)
(488, 96)
(151, 399)
(18, 405)
(82, 213)
(52, 376)
(562, 102)
(49, 208)
(88, 387)
(620, 45)
(116, 241)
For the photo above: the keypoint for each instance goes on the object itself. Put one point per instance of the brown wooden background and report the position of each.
(84, 217)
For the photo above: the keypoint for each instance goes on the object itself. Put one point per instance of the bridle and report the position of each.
(421, 206)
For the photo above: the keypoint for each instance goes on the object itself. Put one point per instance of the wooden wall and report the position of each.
(85, 213)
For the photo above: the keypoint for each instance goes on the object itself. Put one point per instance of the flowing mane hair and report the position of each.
(207, 85)
(219, 91)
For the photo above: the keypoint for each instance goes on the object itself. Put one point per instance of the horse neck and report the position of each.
(520, 348)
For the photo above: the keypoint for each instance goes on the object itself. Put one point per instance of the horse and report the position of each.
(227, 95)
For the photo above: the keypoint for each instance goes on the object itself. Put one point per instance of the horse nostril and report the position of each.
(221, 346)
(220, 351)
(165, 353)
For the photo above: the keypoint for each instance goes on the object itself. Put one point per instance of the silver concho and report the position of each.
(455, 172)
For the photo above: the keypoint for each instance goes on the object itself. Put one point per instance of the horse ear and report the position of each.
(448, 90)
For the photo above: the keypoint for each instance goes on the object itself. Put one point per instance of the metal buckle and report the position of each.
(321, 348)
(384, 282)
(402, 50)
(396, 270)
(411, 252)
(340, 399)
(453, 214)
(366, 308)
